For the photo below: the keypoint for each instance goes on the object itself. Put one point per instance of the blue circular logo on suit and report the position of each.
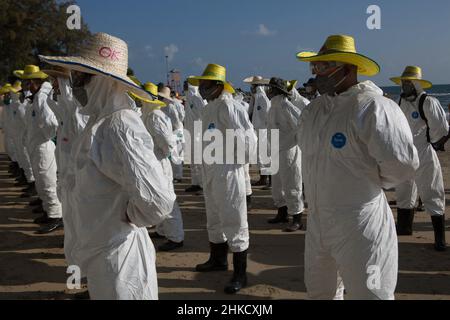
(415, 115)
(259, 108)
(33, 114)
(211, 126)
(339, 140)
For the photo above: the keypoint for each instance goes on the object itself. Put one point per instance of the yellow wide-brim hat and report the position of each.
(152, 89)
(291, 85)
(213, 72)
(342, 48)
(6, 88)
(30, 72)
(412, 73)
(102, 54)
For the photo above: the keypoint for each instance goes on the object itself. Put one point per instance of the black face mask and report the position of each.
(328, 84)
(80, 94)
(211, 92)
(409, 92)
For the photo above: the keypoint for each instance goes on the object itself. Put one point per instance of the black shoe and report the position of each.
(282, 216)
(193, 189)
(261, 183)
(249, 203)
(239, 280)
(218, 260)
(420, 207)
(39, 209)
(170, 246)
(44, 219)
(439, 233)
(177, 180)
(296, 224)
(52, 225)
(156, 235)
(405, 219)
(35, 203)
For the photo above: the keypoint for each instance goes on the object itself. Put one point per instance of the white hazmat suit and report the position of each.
(353, 145)
(119, 188)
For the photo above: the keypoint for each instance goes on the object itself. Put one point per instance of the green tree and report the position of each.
(32, 27)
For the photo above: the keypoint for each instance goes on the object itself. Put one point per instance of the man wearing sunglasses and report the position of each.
(355, 143)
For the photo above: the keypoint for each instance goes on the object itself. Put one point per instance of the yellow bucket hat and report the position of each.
(30, 72)
(152, 89)
(412, 73)
(6, 88)
(213, 72)
(342, 48)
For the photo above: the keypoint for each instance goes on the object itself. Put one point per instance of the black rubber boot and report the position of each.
(420, 207)
(262, 182)
(269, 184)
(282, 216)
(249, 202)
(296, 223)
(218, 259)
(35, 203)
(439, 233)
(239, 280)
(405, 219)
(193, 189)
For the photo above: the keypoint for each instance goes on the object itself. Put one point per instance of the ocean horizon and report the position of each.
(439, 91)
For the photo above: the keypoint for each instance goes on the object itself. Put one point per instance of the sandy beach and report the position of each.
(33, 266)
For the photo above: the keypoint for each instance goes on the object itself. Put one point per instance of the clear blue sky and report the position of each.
(262, 37)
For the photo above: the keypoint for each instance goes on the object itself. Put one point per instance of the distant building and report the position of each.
(175, 81)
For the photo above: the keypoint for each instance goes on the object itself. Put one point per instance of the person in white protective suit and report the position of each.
(7, 128)
(259, 111)
(175, 111)
(287, 183)
(160, 128)
(118, 185)
(428, 123)
(71, 125)
(224, 181)
(239, 97)
(355, 143)
(193, 110)
(20, 126)
(42, 130)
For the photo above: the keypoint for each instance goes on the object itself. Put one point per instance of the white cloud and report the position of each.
(170, 51)
(149, 50)
(264, 31)
(200, 62)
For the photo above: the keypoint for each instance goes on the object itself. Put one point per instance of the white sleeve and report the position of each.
(385, 130)
(151, 199)
(162, 134)
(45, 117)
(436, 119)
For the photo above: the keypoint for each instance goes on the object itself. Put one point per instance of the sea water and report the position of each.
(441, 92)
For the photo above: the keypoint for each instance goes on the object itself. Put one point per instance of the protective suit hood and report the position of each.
(364, 87)
(105, 96)
(260, 90)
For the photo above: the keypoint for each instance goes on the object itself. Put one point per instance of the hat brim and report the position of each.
(366, 66)
(252, 81)
(195, 81)
(56, 74)
(162, 95)
(292, 84)
(37, 75)
(424, 83)
(87, 66)
(152, 102)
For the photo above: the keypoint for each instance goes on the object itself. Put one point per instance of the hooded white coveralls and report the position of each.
(119, 188)
(71, 124)
(428, 181)
(353, 145)
(259, 108)
(248, 181)
(21, 133)
(8, 120)
(175, 111)
(287, 184)
(43, 126)
(160, 128)
(193, 110)
(224, 184)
